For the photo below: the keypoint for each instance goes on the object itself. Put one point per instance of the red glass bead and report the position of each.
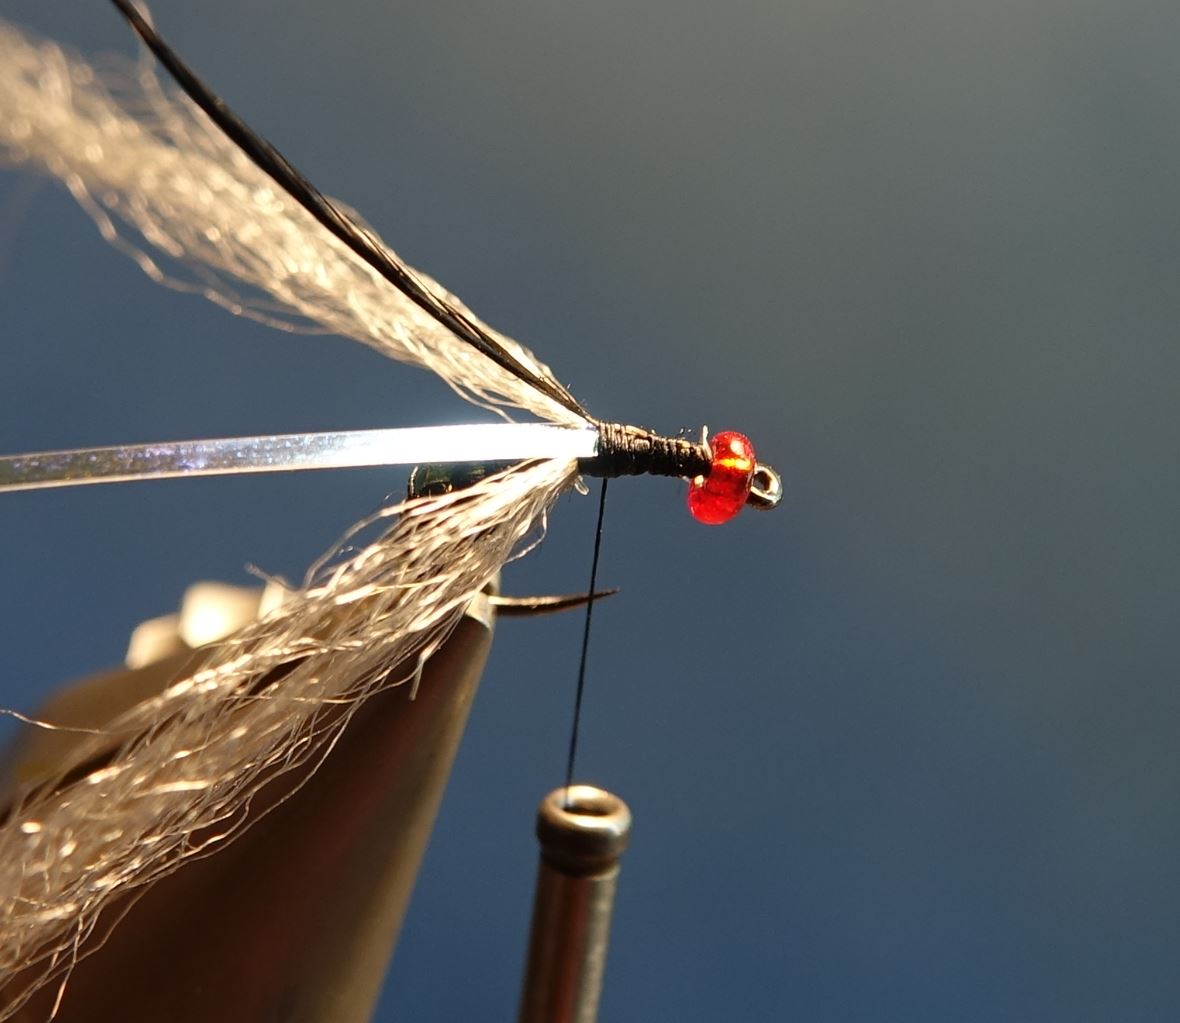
(718, 497)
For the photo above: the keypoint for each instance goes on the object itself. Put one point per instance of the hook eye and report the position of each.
(766, 488)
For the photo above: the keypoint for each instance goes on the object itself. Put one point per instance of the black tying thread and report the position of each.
(633, 451)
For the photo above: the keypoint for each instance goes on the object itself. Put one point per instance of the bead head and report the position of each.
(718, 497)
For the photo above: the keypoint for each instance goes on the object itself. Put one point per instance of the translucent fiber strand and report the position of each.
(138, 154)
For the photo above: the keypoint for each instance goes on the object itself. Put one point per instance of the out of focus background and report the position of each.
(908, 748)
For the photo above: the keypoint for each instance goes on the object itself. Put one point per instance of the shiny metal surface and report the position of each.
(766, 489)
(582, 832)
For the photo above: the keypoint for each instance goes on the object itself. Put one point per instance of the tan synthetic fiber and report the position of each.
(144, 161)
(136, 153)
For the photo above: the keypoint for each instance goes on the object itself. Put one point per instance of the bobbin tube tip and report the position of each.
(582, 829)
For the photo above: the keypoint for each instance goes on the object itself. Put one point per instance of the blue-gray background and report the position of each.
(906, 749)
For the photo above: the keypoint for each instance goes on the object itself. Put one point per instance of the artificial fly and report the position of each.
(194, 186)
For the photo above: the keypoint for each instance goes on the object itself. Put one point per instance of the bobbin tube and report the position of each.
(582, 831)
